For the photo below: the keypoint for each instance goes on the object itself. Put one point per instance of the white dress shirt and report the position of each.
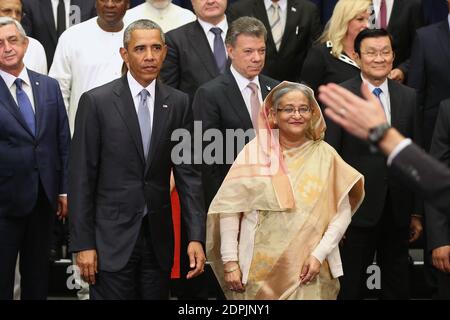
(55, 12)
(246, 92)
(86, 57)
(209, 35)
(168, 18)
(26, 84)
(136, 88)
(283, 11)
(384, 97)
(376, 7)
(34, 58)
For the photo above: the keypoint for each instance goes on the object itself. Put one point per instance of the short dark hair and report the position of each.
(245, 25)
(371, 33)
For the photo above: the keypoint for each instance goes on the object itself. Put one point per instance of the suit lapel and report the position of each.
(39, 109)
(259, 10)
(124, 103)
(443, 37)
(8, 102)
(160, 121)
(201, 47)
(396, 12)
(49, 18)
(237, 102)
(395, 101)
(265, 88)
(292, 17)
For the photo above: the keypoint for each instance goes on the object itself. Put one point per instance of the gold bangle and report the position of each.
(231, 270)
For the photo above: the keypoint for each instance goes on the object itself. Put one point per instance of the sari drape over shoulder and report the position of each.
(286, 199)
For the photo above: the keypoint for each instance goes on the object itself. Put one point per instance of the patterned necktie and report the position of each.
(61, 18)
(383, 15)
(377, 92)
(25, 107)
(254, 104)
(219, 49)
(144, 121)
(275, 24)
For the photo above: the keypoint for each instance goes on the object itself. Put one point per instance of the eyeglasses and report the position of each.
(373, 54)
(291, 110)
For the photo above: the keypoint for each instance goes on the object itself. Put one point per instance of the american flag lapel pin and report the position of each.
(293, 9)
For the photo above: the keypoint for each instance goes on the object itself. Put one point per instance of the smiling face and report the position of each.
(293, 124)
(376, 58)
(144, 55)
(12, 49)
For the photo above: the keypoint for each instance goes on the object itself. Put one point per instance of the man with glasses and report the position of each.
(388, 218)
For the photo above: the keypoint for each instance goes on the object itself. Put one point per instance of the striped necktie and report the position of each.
(275, 24)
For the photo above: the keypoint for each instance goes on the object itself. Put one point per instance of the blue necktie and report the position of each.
(25, 106)
(144, 121)
(219, 49)
(377, 92)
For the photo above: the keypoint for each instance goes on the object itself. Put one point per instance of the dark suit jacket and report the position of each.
(189, 62)
(25, 160)
(425, 175)
(110, 182)
(373, 166)
(429, 72)
(39, 22)
(438, 223)
(302, 28)
(219, 105)
(406, 18)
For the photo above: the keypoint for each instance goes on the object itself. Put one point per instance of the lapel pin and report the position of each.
(37, 83)
(293, 9)
(165, 106)
(268, 88)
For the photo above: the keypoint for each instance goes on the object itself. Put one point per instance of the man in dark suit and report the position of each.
(119, 173)
(428, 74)
(289, 36)
(225, 103)
(191, 58)
(42, 16)
(404, 19)
(438, 223)
(34, 145)
(384, 221)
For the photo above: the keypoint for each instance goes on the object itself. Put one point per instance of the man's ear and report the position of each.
(124, 54)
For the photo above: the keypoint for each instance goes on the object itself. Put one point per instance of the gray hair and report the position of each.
(142, 24)
(6, 21)
(278, 94)
(245, 25)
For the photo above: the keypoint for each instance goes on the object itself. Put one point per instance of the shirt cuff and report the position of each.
(402, 145)
(62, 195)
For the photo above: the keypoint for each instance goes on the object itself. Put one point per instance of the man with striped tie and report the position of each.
(388, 218)
(292, 26)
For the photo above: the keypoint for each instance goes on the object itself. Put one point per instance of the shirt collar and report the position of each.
(9, 78)
(281, 3)
(384, 86)
(136, 87)
(207, 26)
(242, 81)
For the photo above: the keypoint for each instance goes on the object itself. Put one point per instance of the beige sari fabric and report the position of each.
(295, 193)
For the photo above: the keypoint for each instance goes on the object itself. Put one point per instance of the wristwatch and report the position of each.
(376, 134)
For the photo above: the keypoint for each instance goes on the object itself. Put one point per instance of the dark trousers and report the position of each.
(141, 278)
(390, 242)
(29, 235)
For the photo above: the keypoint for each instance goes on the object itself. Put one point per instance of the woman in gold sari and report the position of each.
(274, 226)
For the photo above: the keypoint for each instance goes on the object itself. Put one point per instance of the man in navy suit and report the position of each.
(34, 142)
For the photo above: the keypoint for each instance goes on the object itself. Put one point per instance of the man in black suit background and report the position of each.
(385, 221)
(121, 225)
(292, 26)
(196, 51)
(438, 223)
(45, 20)
(401, 18)
(429, 70)
(228, 101)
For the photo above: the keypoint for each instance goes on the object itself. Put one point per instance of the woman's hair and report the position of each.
(278, 94)
(336, 28)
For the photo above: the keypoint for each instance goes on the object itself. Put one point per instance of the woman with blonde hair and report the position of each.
(331, 59)
(274, 226)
